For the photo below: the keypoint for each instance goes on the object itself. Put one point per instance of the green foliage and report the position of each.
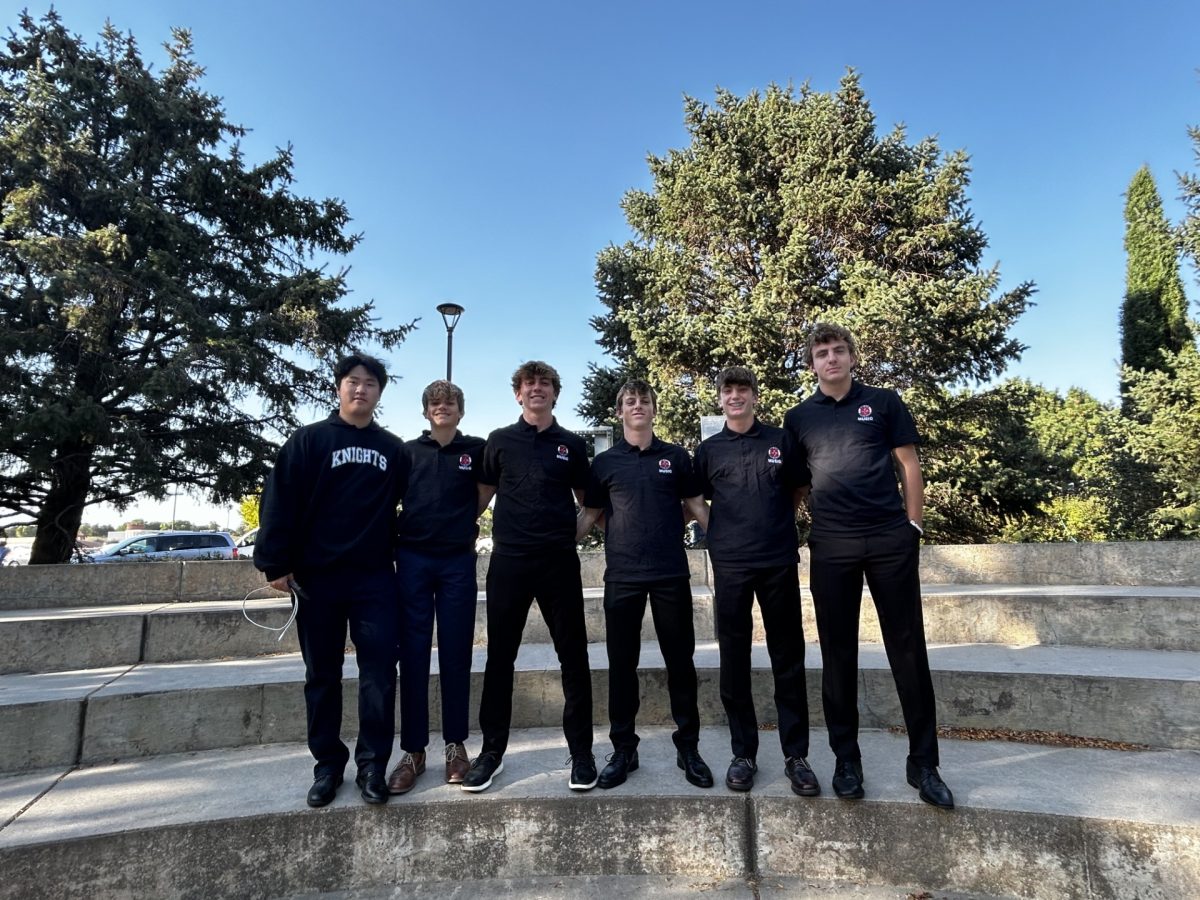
(1166, 435)
(154, 286)
(1154, 313)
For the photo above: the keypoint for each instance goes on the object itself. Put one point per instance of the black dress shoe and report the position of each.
(695, 769)
(323, 789)
(929, 785)
(848, 779)
(372, 784)
(620, 764)
(803, 778)
(740, 775)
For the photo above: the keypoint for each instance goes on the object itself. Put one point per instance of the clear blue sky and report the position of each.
(483, 148)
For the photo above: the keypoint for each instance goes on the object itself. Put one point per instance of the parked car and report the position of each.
(165, 545)
(245, 544)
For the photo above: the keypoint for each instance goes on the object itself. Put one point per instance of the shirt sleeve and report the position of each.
(700, 471)
(688, 481)
(489, 468)
(595, 496)
(795, 462)
(902, 430)
(274, 548)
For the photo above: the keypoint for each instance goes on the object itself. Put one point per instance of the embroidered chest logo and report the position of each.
(864, 413)
(464, 462)
(664, 467)
(563, 453)
(774, 456)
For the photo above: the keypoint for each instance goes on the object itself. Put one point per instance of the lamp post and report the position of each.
(451, 313)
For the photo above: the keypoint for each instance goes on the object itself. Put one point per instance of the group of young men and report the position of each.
(330, 534)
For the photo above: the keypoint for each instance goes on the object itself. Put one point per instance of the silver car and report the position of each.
(166, 545)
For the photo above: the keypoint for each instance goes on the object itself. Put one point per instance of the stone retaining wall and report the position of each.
(1148, 563)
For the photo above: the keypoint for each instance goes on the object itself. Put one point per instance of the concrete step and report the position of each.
(97, 715)
(1149, 618)
(638, 887)
(1030, 822)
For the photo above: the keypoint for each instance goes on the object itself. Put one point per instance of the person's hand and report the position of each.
(282, 584)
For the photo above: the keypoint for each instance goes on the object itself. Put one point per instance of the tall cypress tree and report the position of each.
(1154, 314)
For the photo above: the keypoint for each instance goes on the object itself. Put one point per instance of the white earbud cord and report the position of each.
(282, 630)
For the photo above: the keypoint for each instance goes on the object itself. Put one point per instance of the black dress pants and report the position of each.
(671, 609)
(366, 602)
(890, 562)
(513, 583)
(778, 592)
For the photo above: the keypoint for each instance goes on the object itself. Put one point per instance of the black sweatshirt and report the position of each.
(330, 502)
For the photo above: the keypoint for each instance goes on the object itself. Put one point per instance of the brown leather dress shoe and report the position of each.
(457, 763)
(404, 776)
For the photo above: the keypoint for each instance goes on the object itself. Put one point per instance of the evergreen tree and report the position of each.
(787, 209)
(154, 287)
(1154, 313)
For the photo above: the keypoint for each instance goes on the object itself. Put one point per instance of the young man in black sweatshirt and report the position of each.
(327, 532)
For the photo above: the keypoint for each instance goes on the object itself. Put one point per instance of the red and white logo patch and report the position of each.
(464, 462)
(865, 410)
(664, 466)
(563, 452)
(774, 453)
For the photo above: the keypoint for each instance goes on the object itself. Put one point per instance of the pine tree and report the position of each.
(1154, 313)
(163, 304)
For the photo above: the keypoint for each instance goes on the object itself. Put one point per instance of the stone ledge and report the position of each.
(1031, 822)
(1145, 697)
(1154, 563)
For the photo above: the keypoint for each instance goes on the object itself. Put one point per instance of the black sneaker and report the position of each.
(583, 772)
(479, 776)
(803, 778)
(620, 764)
(848, 779)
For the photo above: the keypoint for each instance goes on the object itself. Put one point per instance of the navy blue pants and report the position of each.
(441, 587)
(778, 592)
(366, 603)
(671, 608)
(513, 583)
(890, 562)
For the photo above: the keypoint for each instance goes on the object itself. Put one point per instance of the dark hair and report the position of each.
(442, 390)
(535, 368)
(638, 388)
(825, 333)
(737, 375)
(370, 363)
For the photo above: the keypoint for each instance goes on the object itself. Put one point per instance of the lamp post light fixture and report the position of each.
(451, 313)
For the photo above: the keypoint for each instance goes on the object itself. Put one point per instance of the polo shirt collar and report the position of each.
(820, 396)
(655, 445)
(526, 426)
(753, 431)
(427, 438)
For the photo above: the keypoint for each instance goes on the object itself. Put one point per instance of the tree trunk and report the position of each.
(60, 516)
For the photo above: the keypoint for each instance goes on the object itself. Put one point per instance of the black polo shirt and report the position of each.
(534, 473)
(640, 491)
(750, 479)
(441, 505)
(846, 446)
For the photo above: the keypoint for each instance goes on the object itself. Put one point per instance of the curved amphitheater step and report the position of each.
(1138, 618)
(97, 715)
(1031, 821)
